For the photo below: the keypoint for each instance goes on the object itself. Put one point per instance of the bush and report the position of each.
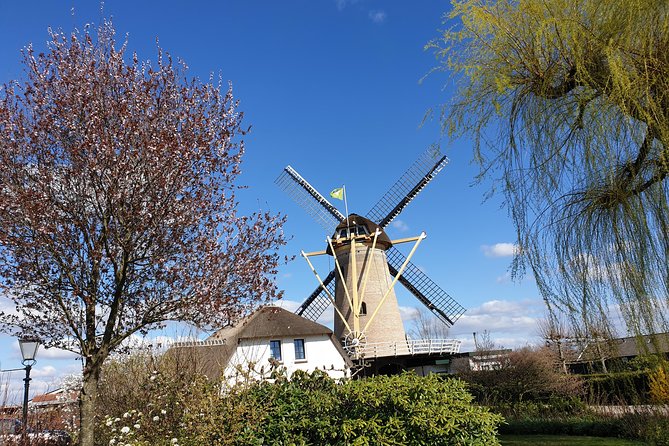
(553, 408)
(650, 426)
(415, 410)
(618, 388)
(659, 384)
(165, 405)
(528, 374)
(311, 409)
(580, 426)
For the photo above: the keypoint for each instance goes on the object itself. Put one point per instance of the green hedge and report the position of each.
(618, 388)
(567, 426)
(653, 428)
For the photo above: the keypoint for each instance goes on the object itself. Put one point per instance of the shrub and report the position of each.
(659, 384)
(554, 407)
(618, 388)
(581, 426)
(528, 374)
(413, 410)
(308, 409)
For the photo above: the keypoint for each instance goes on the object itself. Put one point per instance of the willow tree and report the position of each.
(568, 104)
(117, 203)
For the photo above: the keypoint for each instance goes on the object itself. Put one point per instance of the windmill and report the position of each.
(360, 285)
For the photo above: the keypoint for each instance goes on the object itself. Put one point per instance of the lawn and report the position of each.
(564, 440)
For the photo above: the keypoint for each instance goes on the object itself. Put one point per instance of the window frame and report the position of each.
(296, 342)
(273, 344)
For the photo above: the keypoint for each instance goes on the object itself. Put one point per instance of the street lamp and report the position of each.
(29, 346)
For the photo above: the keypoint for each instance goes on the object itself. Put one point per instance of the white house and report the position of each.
(269, 339)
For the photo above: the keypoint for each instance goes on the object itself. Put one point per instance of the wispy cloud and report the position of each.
(341, 4)
(400, 225)
(377, 16)
(504, 278)
(499, 250)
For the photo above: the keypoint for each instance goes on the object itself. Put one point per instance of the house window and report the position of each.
(275, 350)
(299, 349)
(363, 309)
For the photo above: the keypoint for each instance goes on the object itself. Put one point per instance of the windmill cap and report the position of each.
(361, 226)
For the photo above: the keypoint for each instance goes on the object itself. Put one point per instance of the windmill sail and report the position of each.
(410, 184)
(309, 198)
(318, 301)
(426, 291)
(421, 172)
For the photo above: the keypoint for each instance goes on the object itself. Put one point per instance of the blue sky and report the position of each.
(332, 88)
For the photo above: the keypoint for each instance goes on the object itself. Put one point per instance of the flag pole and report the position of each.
(345, 201)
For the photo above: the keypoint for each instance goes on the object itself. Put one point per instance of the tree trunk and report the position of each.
(87, 403)
(563, 361)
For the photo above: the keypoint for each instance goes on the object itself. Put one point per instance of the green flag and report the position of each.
(337, 193)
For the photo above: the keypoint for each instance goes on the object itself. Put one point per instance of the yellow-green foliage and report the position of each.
(659, 384)
(567, 103)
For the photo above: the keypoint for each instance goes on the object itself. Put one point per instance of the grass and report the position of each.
(564, 440)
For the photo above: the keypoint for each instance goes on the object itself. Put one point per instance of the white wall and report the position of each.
(251, 359)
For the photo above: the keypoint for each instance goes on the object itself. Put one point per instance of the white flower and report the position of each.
(109, 422)
(174, 441)
(112, 442)
(136, 426)
(163, 411)
(126, 415)
(125, 429)
(156, 418)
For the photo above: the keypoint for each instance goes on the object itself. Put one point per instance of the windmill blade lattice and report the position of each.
(426, 291)
(318, 301)
(421, 172)
(310, 199)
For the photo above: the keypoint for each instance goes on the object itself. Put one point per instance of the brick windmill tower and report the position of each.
(367, 264)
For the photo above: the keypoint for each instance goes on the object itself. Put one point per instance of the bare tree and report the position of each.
(117, 203)
(556, 334)
(427, 326)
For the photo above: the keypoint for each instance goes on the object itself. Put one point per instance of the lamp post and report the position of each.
(29, 348)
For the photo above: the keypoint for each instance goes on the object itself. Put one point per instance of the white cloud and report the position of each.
(511, 324)
(7, 306)
(48, 371)
(327, 318)
(505, 307)
(377, 16)
(286, 304)
(55, 353)
(499, 250)
(400, 225)
(408, 314)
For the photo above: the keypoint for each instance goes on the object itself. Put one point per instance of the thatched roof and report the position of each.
(271, 322)
(212, 355)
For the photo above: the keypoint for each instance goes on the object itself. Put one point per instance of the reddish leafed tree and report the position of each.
(117, 203)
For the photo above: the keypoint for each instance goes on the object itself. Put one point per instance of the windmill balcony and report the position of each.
(408, 348)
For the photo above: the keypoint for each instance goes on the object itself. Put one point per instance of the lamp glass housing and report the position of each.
(29, 348)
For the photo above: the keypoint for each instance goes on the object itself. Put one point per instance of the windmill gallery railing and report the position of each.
(409, 347)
